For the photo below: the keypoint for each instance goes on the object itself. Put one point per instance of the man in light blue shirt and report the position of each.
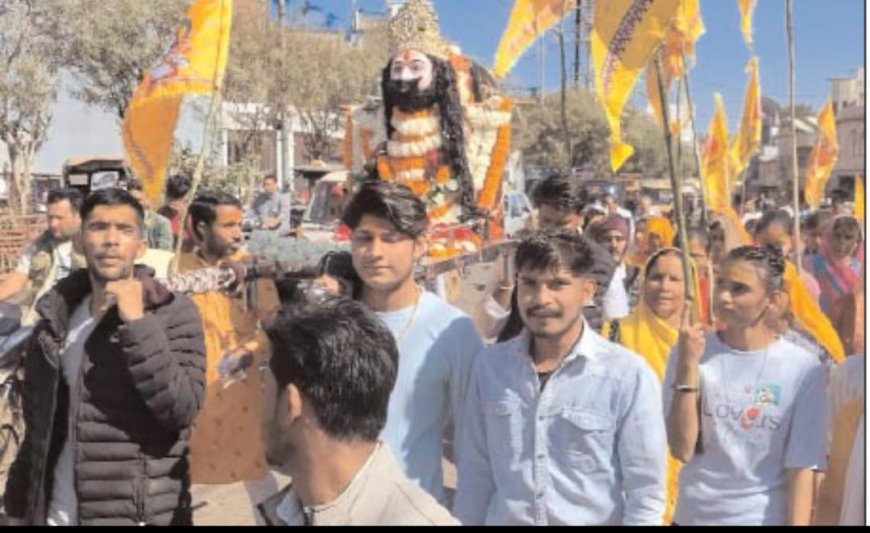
(437, 342)
(271, 208)
(560, 426)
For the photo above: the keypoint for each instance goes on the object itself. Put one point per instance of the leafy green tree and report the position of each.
(539, 135)
(28, 88)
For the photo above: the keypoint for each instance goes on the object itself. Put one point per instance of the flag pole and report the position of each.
(705, 217)
(789, 26)
(675, 184)
(569, 160)
(214, 105)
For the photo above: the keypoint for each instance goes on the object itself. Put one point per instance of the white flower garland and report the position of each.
(417, 127)
(401, 149)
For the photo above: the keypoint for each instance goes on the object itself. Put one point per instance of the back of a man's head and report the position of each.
(562, 192)
(392, 202)
(344, 362)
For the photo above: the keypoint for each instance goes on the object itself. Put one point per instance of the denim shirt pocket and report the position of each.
(586, 437)
(503, 430)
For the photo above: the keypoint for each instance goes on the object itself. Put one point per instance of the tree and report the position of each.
(109, 46)
(28, 89)
(308, 73)
(538, 134)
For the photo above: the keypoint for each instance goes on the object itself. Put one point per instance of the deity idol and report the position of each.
(440, 129)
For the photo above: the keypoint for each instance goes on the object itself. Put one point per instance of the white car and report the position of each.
(518, 213)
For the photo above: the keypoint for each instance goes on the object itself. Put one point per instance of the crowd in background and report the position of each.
(612, 377)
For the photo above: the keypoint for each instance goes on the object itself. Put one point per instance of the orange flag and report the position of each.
(809, 315)
(715, 166)
(529, 19)
(823, 158)
(194, 64)
(747, 7)
(748, 139)
(624, 36)
(685, 30)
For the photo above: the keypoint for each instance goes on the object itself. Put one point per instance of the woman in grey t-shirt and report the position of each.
(745, 408)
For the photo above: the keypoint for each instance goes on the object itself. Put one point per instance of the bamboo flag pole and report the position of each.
(198, 170)
(675, 185)
(789, 26)
(705, 218)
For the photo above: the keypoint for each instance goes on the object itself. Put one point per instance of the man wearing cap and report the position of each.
(613, 234)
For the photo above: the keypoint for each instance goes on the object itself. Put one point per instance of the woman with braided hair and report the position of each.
(745, 408)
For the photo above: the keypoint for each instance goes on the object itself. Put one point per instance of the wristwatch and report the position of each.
(686, 388)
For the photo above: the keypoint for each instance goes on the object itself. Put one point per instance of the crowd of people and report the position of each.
(594, 389)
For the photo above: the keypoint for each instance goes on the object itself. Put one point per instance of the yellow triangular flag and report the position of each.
(194, 64)
(748, 139)
(624, 35)
(715, 166)
(747, 7)
(822, 159)
(529, 20)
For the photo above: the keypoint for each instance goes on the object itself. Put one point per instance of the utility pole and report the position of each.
(282, 169)
(541, 68)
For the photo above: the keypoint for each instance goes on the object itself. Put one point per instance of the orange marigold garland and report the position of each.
(347, 146)
(500, 153)
(385, 172)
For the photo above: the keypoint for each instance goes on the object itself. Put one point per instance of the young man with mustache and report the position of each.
(560, 426)
(49, 258)
(225, 445)
(114, 382)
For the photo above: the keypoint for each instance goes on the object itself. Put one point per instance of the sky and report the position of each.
(829, 42)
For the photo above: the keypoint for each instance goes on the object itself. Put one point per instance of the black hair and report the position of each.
(177, 187)
(550, 249)
(717, 233)
(271, 177)
(392, 202)
(839, 195)
(658, 255)
(112, 197)
(204, 208)
(847, 223)
(73, 196)
(696, 233)
(445, 94)
(812, 221)
(777, 217)
(343, 360)
(561, 191)
(134, 184)
(768, 259)
(751, 226)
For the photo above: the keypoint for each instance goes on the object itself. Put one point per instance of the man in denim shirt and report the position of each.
(560, 426)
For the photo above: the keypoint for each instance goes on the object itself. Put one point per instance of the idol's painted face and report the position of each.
(410, 66)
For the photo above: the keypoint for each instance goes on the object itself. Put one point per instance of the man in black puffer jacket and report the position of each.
(114, 379)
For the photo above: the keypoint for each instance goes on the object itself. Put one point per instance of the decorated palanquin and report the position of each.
(439, 128)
